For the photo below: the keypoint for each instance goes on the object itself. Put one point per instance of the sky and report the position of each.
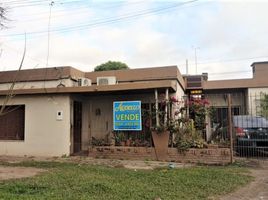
(222, 38)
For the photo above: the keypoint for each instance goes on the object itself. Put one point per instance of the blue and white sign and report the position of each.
(127, 116)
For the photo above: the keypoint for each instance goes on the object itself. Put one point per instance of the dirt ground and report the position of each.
(256, 190)
(18, 172)
(130, 164)
(8, 172)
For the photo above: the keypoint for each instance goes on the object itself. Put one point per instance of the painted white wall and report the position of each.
(44, 134)
(39, 84)
(179, 94)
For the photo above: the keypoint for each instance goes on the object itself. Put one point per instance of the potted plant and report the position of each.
(128, 142)
(185, 127)
(160, 137)
(119, 138)
(161, 132)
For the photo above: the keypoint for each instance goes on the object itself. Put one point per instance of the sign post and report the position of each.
(127, 116)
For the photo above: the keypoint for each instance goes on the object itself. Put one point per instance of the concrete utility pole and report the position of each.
(195, 58)
(48, 32)
(187, 72)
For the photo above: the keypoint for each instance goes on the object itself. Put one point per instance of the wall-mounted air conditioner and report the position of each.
(84, 82)
(108, 80)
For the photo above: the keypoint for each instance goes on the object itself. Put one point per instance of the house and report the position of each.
(246, 94)
(60, 111)
(57, 111)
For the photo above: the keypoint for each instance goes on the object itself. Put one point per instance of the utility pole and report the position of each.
(48, 31)
(195, 58)
(187, 72)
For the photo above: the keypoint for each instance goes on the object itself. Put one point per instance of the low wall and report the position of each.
(205, 156)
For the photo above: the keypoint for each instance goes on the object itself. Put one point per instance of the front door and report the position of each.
(77, 126)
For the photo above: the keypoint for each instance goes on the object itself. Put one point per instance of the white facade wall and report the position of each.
(47, 136)
(39, 84)
(179, 95)
(44, 134)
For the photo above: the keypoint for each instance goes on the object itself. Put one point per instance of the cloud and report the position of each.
(230, 35)
(235, 30)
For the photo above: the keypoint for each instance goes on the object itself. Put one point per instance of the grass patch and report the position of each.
(76, 181)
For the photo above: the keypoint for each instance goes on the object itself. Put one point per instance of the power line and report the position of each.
(33, 3)
(48, 43)
(231, 72)
(27, 55)
(234, 72)
(20, 2)
(105, 22)
(77, 10)
(77, 7)
(233, 60)
(227, 60)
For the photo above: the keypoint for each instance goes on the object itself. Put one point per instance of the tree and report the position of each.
(2, 17)
(263, 105)
(111, 65)
(10, 92)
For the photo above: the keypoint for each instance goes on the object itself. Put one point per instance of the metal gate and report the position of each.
(250, 131)
(240, 121)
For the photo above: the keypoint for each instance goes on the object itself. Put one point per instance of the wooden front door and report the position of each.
(77, 138)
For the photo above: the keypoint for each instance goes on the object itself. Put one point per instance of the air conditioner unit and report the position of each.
(108, 80)
(84, 82)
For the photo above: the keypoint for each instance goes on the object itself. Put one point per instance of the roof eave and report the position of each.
(95, 88)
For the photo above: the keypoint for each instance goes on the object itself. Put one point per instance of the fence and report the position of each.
(236, 120)
(247, 123)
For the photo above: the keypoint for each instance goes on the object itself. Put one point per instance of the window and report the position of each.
(12, 123)
(194, 82)
(221, 114)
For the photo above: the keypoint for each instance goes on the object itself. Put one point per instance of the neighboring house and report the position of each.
(246, 93)
(56, 111)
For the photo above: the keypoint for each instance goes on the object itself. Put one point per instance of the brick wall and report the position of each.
(205, 156)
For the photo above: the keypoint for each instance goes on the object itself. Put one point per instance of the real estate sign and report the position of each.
(127, 116)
